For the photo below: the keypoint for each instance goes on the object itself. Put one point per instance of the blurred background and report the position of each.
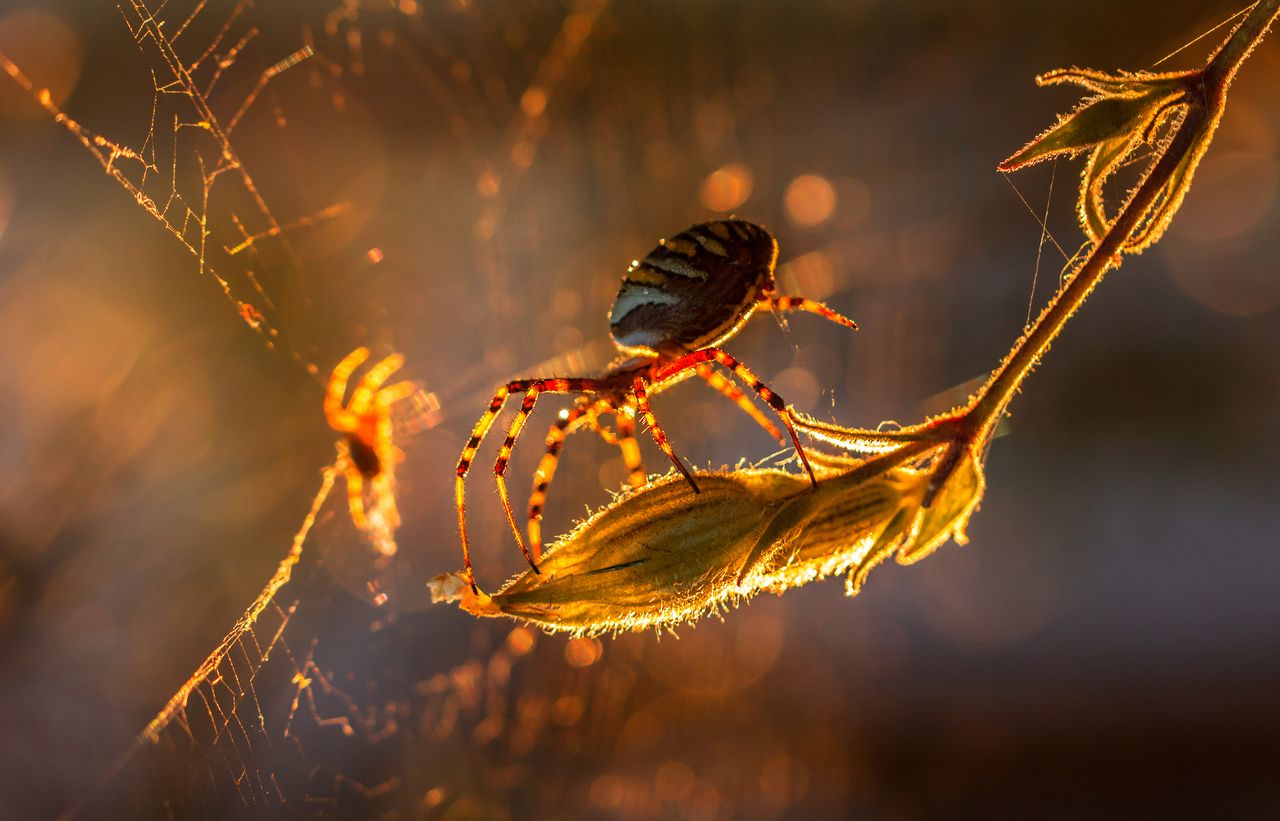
(466, 182)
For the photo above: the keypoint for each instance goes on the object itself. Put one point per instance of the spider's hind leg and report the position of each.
(385, 495)
(355, 498)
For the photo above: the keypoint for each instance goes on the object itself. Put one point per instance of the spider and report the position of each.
(674, 308)
(368, 453)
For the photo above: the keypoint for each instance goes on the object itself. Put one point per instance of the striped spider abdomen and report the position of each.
(693, 290)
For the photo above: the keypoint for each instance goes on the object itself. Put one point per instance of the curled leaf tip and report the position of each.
(1125, 112)
(1118, 113)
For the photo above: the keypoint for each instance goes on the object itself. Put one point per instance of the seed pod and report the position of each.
(666, 555)
(659, 556)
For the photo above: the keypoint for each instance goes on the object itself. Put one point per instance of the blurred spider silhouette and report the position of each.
(368, 453)
(688, 295)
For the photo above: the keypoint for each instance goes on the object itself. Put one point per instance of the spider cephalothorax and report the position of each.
(675, 306)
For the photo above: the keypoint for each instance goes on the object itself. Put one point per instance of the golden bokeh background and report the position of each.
(466, 182)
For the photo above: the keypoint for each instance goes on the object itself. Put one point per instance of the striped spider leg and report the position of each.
(779, 304)
(366, 422)
(531, 388)
(730, 391)
(623, 392)
(583, 414)
(587, 414)
(664, 372)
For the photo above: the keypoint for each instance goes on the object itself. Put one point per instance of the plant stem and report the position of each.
(1226, 60)
(991, 400)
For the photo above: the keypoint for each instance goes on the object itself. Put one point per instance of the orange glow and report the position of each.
(520, 640)
(810, 200)
(533, 102)
(50, 54)
(488, 184)
(674, 782)
(800, 386)
(583, 651)
(726, 188)
(522, 154)
(812, 274)
(568, 710)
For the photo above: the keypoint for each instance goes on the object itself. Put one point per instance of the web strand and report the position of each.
(1044, 233)
(1186, 46)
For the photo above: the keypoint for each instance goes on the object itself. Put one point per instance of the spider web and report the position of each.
(186, 173)
(232, 740)
(307, 706)
(333, 694)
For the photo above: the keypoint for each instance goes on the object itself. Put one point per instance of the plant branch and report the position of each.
(1205, 96)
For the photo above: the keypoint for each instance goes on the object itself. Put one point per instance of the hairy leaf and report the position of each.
(1099, 120)
(1127, 112)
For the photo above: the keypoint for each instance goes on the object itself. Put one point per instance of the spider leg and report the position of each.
(384, 493)
(504, 458)
(642, 404)
(355, 498)
(630, 448)
(338, 418)
(692, 360)
(731, 392)
(582, 413)
(482, 428)
(798, 303)
(368, 388)
(387, 397)
(388, 453)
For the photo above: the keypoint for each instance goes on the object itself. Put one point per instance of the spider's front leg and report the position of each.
(777, 304)
(370, 391)
(504, 458)
(531, 387)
